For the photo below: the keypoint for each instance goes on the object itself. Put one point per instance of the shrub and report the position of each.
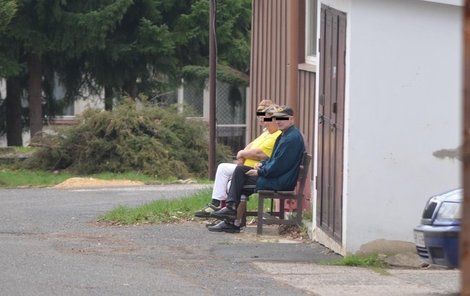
(149, 139)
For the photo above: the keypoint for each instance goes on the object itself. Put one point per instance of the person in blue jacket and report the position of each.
(279, 172)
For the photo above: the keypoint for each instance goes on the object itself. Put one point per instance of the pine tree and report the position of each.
(43, 28)
(233, 34)
(138, 55)
(9, 67)
(7, 11)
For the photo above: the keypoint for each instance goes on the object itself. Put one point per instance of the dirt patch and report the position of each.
(86, 243)
(91, 182)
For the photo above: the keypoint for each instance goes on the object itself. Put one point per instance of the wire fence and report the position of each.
(230, 110)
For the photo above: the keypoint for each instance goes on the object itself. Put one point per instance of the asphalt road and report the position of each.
(51, 245)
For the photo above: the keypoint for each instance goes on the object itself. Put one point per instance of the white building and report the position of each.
(384, 118)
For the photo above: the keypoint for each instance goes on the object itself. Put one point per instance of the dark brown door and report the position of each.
(331, 122)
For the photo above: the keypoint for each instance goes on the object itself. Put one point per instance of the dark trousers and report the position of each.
(240, 179)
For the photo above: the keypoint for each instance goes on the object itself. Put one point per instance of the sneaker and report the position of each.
(225, 213)
(206, 211)
(224, 226)
(212, 222)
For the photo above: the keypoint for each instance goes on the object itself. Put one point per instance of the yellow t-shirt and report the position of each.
(265, 142)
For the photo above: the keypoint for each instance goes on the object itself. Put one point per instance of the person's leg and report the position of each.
(222, 176)
(241, 211)
(239, 179)
(219, 192)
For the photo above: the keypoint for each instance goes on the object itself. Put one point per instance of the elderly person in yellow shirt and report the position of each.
(260, 149)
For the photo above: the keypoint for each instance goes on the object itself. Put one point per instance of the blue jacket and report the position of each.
(280, 171)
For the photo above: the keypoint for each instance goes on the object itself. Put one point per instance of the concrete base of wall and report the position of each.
(321, 237)
(388, 247)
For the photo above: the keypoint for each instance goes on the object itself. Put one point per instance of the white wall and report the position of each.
(404, 105)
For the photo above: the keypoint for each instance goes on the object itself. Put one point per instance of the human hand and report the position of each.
(257, 166)
(252, 173)
(239, 161)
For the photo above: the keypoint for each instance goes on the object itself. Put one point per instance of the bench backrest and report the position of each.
(303, 172)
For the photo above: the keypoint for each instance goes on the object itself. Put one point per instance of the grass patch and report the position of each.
(164, 211)
(359, 260)
(372, 262)
(307, 215)
(17, 150)
(10, 178)
(159, 211)
(25, 150)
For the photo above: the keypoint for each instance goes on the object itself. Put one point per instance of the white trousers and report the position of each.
(222, 176)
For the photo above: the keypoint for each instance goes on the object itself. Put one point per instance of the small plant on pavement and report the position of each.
(374, 262)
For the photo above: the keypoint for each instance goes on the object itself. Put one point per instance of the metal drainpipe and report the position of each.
(465, 231)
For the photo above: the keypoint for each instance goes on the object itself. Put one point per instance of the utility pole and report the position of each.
(465, 231)
(212, 87)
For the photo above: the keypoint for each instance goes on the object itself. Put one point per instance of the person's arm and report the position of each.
(255, 153)
(287, 155)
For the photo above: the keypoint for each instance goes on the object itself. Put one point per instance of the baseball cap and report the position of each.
(260, 110)
(283, 111)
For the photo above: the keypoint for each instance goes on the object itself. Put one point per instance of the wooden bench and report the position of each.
(278, 217)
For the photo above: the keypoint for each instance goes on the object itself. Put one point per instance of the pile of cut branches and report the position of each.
(134, 137)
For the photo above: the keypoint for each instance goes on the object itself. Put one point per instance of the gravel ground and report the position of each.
(51, 245)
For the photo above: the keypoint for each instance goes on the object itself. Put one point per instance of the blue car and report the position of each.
(437, 238)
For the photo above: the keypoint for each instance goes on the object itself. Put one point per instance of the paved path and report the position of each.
(50, 245)
(338, 281)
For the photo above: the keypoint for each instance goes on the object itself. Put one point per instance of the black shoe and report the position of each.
(212, 223)
(225, 213)
(206, 211)
(224, 226)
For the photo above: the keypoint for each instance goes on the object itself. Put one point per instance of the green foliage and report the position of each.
(233, 34)
(86, 29)
(137, 56)
(372, 261)
(159, 211)
(152, 140)
(121, 46)
(165, 211)
(8, 66)
(11, 178)
(224, 73)
(7, 11)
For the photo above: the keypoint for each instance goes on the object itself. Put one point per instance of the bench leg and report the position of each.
(282, 210)
(299, 211)
(259, 227)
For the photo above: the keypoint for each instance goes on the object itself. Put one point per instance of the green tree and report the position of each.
(138, 56)
(54, 27)
(9, 67)
(7, 11)
(233, 34)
